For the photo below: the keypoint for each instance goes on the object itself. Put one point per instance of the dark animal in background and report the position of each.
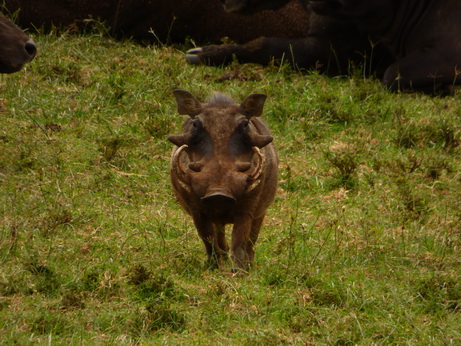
(331, 45)
(421, 39)
(168, 21)
(224, 171)
(16, 48)
(424, 37)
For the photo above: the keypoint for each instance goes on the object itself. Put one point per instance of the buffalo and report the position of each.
(422, 35)
(16, 48)
(224, 171)
(332, 45)
(420, 38)
(167, 21)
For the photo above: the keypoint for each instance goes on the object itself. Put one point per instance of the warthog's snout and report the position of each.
(218, 201)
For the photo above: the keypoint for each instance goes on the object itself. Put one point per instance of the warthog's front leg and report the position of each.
(254, 233)
(213, 238)
(244, 235)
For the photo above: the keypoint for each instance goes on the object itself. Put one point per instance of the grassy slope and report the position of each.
(361, 245)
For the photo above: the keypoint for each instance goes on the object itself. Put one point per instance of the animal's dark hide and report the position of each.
(422, 35)
(330, 46)
(167, 21)
(418, 40)
(16, 48)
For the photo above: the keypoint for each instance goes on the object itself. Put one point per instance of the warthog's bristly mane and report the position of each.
(218, 99)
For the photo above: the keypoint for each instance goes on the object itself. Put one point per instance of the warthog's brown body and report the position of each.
(224, 171)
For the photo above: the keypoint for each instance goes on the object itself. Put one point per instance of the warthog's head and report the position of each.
(219, 158)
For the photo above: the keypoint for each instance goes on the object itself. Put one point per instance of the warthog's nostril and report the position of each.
(218, 201)
(31, 48)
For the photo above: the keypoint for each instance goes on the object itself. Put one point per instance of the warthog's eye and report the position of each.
(196, 127)
(243, 126)
(197, 132)
(196, 124)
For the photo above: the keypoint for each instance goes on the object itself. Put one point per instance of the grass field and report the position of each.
(361, 246)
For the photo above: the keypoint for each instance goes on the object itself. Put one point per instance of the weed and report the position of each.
(436, 132)
(110, 147)
(160, 316)
(344, 158)
(150, 286)
(440, 293)
(48, 323)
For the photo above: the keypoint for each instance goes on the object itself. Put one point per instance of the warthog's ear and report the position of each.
(253, 105)
(187, 103)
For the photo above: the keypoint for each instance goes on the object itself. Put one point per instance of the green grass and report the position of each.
(361, 246)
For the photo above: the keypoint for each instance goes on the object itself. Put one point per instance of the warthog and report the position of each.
(224, 171)
(16, 48)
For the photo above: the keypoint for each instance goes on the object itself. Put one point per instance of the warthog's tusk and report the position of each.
(256, 175)
(178, 169)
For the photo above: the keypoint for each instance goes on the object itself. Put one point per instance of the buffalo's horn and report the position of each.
(177, 167)
(255, 177)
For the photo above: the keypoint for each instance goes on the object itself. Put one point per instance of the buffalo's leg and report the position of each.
(261, 51)
(330, 45)
(425, 70)
(308, 53)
